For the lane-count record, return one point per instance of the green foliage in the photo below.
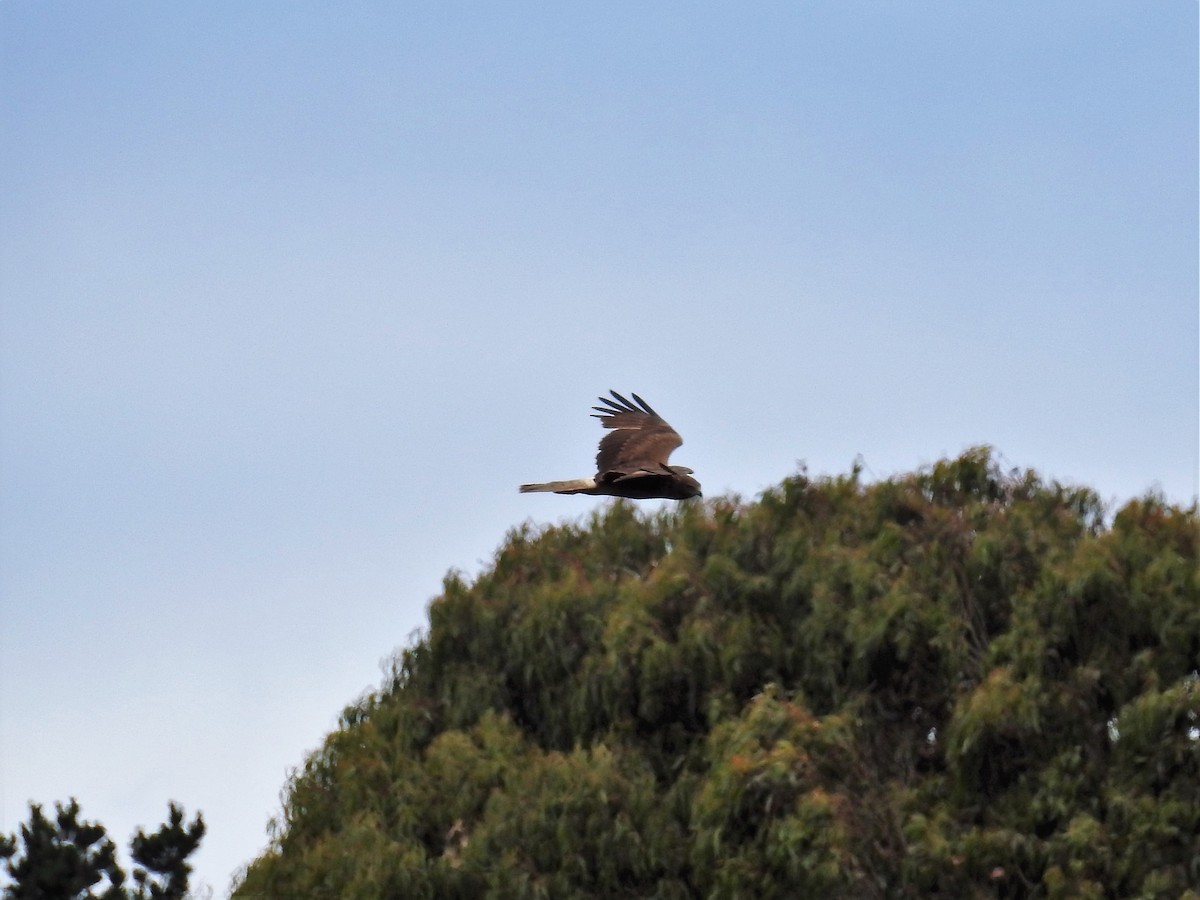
(959, 683)
(69, 859)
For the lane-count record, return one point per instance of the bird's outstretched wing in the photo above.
(640, 437)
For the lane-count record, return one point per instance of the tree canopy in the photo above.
(960, 682)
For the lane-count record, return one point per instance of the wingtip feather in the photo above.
(644, 405)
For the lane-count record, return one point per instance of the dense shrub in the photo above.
(959, 683)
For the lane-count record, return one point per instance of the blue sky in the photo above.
(295, 294)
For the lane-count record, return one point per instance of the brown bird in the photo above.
(632, 461)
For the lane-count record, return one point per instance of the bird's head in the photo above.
(687, 486)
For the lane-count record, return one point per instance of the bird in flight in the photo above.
(632, 461)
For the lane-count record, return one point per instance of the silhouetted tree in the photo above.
(69, 859)
(163, 856)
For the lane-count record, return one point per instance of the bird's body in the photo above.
(632, 461)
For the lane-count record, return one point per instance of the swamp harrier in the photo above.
(632, 461)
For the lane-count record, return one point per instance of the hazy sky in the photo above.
(294, 294)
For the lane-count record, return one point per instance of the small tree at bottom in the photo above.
(69, 859)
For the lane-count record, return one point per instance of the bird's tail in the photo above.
(575, 486)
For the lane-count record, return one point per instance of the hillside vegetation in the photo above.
(959, 683)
